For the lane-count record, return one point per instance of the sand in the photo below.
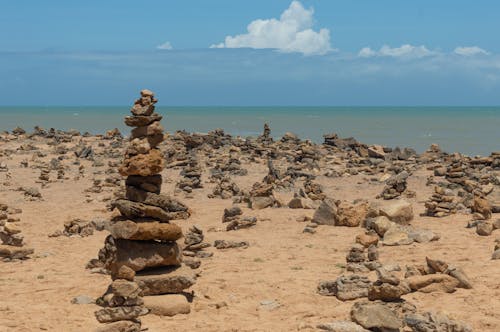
(270, 286)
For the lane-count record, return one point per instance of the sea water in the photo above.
(469, 130)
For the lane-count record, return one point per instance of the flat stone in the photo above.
(165, 280)
(139, 255)
(142, 120)
(15, 252)
(346, 287)
(162, 201)
(261, 202)
(109, 315)
(167, 305)
(147, 183)
(120, 326)
(82, 299)
(397, 236)
(341, 326)
(134, 210)
(145, 230)
(143, 164)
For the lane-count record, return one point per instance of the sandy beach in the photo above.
(270, 284)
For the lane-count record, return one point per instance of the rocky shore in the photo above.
(211, 232)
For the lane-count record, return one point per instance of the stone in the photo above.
(346, 287)
(124, 272)
(376, 317)
(135, 210)
(496, 254)
(143, 164)
(162, 201)
(482, 206)
(15, 252)
(423, 235)
(341, 326)
(372, 253)
(387, 292)
(356, 254)
(167, 305)
(261, 202)
(113, 314)
(429, 322)
(147, 183)
(433, 283)
(139, 255)
(396, 236)
(153, 129)
(125, 288)
(460, 275)
(142, 120)
(226, 244)
(379, 224)
(120, 326)
(367, 239)
(82, 299)
(351, 215)
(145, 230)
(400, 212)
(164, 280)
(325, 213)
(484, 228)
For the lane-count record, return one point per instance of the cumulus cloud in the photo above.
(407, 51)
(470, 51)
(292, 32)
(165, 46)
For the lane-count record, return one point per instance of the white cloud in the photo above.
(165, 46)
(470, 51)
(292, 32)
(407, 51)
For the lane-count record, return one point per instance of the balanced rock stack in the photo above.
(191, 175)
(141, 252)
(395, 186)
(441, 203)
(11, 240)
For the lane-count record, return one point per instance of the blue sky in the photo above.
(227, 52)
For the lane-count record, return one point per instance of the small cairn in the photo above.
(194, 245)
(441, 203)
(141, 253)
(266, 138)
(225, 188)
(191, 176)
(395, 186)
(12, 246)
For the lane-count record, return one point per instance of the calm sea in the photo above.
(470, 130)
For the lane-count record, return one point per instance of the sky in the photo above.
(260, 52)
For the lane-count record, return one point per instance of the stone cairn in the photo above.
(12, 241)
(395, 186)
(141, 253)
(191, 175)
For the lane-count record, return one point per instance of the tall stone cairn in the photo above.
(141, 253)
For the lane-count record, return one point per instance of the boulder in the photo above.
(351, 215)
(400, 212)
(167, 305)
(325, 213)
(376, 317)
(261, 202)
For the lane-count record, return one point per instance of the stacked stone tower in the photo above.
(141, 253)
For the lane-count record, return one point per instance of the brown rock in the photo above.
(367, 240)
(143, 164)
(482, 206)
(351, 215)
(145, 230)
(146, 183)
(120, 326)
(153, 129)
(15, 252)
(162, 201)
(124, 272)
(433, 283)
(167, 305)
(164, 280)
(141, 120)
(134, 210)
(113, 314)
(139, 255)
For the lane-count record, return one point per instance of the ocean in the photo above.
(469, 130)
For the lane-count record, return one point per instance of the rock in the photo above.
(482, 206)
(341, 326)
(351, 215)
(145, 230)
(142, 120)
(139, 255)
(367, 239)
(165, 202)
(460, 276)
(433, 283)
(125, 288)
(120, 326)
(379, 224)
(346, 287)
(400, 212)
(15, 252)
(223, 244)
(376, 317)
(387, 292)
(396, 236)
(82, 299)
(372, 253)
(153, 129)
(261, 202)
(356, 254)
(434, 322)
(134, 210)
(167, 305)
(484, 228)
(147, 183)
(325, 213)
(113, 314)
(423, 235)
(164, 280)
(143, 164)
(496, 254)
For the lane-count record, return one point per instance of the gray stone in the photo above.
(376, 317)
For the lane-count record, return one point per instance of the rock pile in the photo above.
(441, 203)
(12, 246)
(191, 176)
(141, 253)
(194, 245)
(395, 186)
